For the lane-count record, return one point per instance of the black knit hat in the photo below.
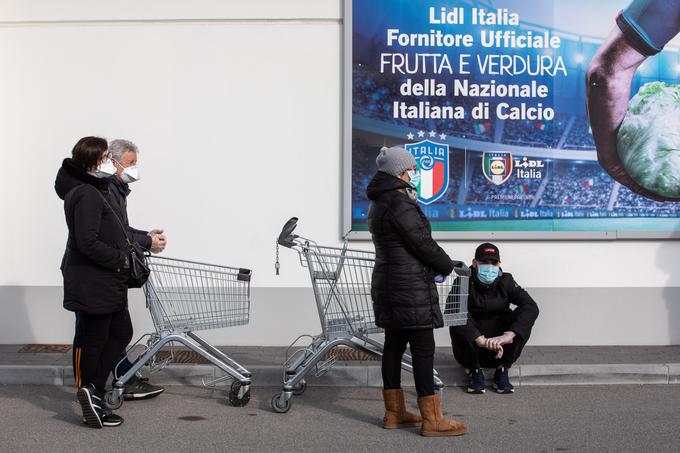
(487, 251)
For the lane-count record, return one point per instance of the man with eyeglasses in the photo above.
(123, 155)
(495, 334)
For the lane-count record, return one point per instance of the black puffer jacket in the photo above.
(407, 258)
(494, 301)
(95, 260)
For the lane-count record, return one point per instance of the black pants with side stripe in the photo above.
(97, 346)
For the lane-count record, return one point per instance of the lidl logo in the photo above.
(497, 166)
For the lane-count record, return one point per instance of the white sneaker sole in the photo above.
(475, 391)
(498, 390)
(106, 424)
(141, 396)
(112, 424)
(90, 415)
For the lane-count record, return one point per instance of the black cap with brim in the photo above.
(487, 252)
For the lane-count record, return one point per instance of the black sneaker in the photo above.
(107, 417)
(476, 383)
(110, 419)
(140, 389)
(86, 397)
(501, 381)
(95, 412)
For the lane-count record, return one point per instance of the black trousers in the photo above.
(471, 356)
(97, 346)
(421, 342)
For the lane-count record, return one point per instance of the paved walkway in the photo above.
(539, 365)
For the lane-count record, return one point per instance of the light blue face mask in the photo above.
(415, 178)
(488, 273)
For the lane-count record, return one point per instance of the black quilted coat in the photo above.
(407, 258)
(95, 260)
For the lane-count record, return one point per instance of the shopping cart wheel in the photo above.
(279, 404)
(234, 398)
(113, 400)
(300, 388)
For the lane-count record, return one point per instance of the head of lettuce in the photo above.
(648, 141)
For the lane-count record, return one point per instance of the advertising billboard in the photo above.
(514, 134)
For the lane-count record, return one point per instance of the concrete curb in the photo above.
(370, 375)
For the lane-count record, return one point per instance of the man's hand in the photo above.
(487, 343)
(495, 343)
(501, 340)
(158, 241)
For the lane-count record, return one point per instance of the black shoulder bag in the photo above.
(139, 269)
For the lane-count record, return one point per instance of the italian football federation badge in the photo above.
(497, 166)
(433, 161)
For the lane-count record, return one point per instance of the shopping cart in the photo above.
(184, 297)
(341, 281)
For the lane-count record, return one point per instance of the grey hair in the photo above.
(119, 147)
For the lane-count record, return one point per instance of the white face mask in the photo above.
(106, 169)
(130, 174)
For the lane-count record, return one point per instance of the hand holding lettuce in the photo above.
(637, 141)
(608, 85)
(648, 141)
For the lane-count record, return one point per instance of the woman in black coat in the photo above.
(405, 298)
(95, 269)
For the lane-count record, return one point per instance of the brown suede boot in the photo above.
(396, 415)
(434, 422)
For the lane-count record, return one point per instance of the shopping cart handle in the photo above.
(244, 275)
(460, 268)
(286, 237)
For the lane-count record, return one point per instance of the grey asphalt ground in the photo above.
(601, 418)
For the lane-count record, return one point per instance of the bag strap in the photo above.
(120, 223)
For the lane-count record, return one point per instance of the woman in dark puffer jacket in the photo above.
(96, 272)
(405, 298)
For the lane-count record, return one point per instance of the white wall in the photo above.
(236, 108)
(238, 125)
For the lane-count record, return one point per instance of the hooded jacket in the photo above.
(407, 258)
(94, 265)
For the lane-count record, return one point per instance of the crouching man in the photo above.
(495, 334)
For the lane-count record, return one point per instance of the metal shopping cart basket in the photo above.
(184, 297)
(341, 281)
